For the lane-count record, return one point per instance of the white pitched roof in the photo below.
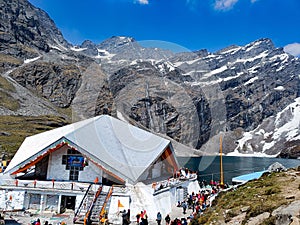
(121, 148)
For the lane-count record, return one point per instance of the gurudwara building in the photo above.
(95, 167)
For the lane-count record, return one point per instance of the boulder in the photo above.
(284, 214)
(276, 167)
(237, 219)
(258, 219)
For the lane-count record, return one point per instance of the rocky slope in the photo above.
(190, 97)
(263, 201)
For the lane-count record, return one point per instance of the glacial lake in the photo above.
(208, 167)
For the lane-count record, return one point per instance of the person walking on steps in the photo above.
(158, 218)
(167, 219)
(184, 206)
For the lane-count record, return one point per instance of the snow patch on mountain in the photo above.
(251, 81)
(286, 127)
(31, 60)
(77, 49)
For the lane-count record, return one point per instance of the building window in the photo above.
(74, 173)
(64, 159)
(74, 162)
(73, 152)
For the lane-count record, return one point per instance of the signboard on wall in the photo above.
(75, 161)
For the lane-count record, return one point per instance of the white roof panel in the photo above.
(125, 150)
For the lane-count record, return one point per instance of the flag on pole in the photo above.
(120, 205)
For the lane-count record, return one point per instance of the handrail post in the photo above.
(86, 220)
(79, 208)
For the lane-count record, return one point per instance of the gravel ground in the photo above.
(17, 218)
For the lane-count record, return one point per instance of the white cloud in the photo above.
(143, 2)
(293, 49)
(224, 5)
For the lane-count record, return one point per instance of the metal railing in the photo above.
(45, 184)
(106, 201)
(81, 203)
(87, 219)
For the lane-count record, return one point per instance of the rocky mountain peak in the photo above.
(174, 94)
(263, 43)
(88, 44)
(115, 43)
(23, 24)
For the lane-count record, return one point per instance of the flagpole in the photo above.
(221, 162)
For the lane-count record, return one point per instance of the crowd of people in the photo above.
(179, 176)
(142, 219)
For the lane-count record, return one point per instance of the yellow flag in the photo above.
(120, 205)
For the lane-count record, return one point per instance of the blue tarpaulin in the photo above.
(247, 177)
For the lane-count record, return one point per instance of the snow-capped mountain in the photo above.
(235, 90)
(276, 132)
(249, 93)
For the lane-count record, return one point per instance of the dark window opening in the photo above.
(74, 173)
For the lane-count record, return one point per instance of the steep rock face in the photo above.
(280, 132)
(252, 82)
(26, 30)
(191, 97)
(23, 23)
(160, 104)
(56, 82)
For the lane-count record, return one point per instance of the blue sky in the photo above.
(192, 24)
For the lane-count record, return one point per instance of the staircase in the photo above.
(84, 205)
(101, 205)
(93, 206)
(185, 193)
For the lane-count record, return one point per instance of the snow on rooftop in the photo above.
(101, 137)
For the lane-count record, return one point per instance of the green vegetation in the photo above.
(7, 101)
(8, 59)
(256, 197)
(4, 84)
(14, 129)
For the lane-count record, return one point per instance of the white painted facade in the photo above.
(143, 197)
(10, 200)
(58, 171)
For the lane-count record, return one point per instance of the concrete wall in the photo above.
(193, 186)
(90, 172)
(163, 202)
(78, 200)
(58, 172)
(10, 200)
(51, 203)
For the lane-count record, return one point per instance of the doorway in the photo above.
(68, 202)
